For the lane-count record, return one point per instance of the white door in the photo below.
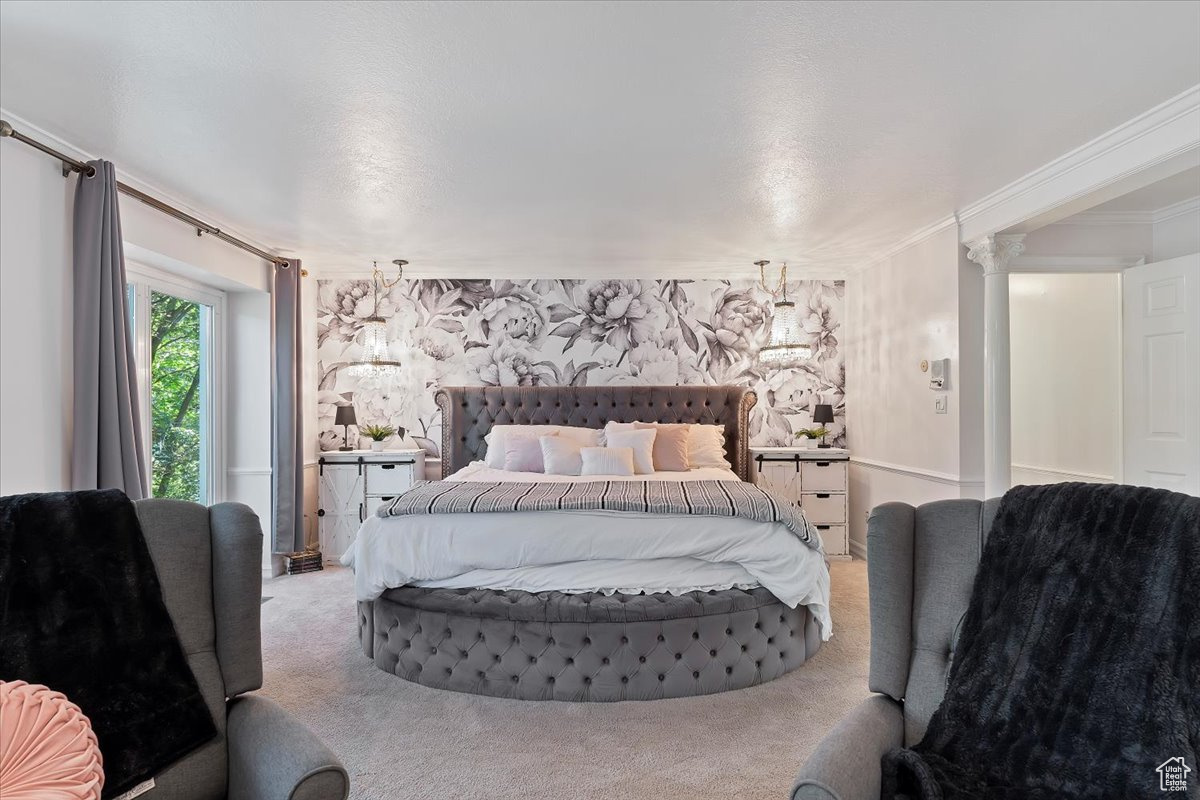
(1161, 310)
(342, 508)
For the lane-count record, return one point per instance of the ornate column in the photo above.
(994, 252)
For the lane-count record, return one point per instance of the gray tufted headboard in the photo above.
(469, 412)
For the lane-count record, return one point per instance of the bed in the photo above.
(580, 603)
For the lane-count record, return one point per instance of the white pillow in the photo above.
(607, 460)
(706, 447)
(494, 455)
(524, 453)
(642, 444)
(615, 427)
(561, 455)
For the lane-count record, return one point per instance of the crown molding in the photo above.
(577, 270)
(1188, 206)
(58, 143)
(1167, 131)
(913, 239)
(1103, 219)
(1071, 264)
(1106, 218)
(1174, 122)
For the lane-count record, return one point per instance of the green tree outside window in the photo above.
(175, 385)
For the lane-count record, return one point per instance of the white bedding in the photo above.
(601, 551)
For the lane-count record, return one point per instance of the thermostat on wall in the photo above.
(939, 373)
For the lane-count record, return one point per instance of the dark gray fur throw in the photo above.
(1077, 670)
(82, 611)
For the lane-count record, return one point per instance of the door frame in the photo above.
(146, 279)
(1092, 265)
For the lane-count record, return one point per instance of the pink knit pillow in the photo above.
(670, 445)
(47, 748)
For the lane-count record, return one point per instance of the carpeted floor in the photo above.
(401, 741)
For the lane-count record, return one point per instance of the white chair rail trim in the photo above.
(1065, 475)
(916, 472)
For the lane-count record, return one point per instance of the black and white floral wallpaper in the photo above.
(576, 332)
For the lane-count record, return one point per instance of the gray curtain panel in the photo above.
(287, 429)
(107, 434)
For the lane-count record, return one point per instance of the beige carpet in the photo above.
(401, 741)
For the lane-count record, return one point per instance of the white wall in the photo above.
(1065, 340)
(1177, 236)
(35, 313)
(899, 312)
(248, 408)
(35, 323)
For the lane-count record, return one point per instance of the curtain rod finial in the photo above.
(6, 129)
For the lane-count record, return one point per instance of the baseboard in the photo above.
(858, 551)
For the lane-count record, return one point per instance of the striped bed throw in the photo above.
(705, 498)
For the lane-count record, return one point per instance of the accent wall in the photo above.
(575, 332)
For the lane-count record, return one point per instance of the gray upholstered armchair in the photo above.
(209, 565)
(921, 565)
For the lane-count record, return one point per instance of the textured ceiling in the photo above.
(571, 139)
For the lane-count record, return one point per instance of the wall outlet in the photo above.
(939, 404)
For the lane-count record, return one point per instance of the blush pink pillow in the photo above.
(48, 750)
(670, 445)
(524, 453)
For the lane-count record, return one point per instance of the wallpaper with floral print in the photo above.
(575, 332)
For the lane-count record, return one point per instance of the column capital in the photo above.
(994, 251)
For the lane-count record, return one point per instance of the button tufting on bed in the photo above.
(469, 412)
(591, 647)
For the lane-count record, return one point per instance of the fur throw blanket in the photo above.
(1077, 672)
(81, 612)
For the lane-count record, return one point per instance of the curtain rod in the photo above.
(72, 165)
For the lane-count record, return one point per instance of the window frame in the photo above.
(141, 280)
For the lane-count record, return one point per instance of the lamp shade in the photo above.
(345, 416)
(822, 413)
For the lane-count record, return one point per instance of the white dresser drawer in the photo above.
(823, 476)
(833, 539)
(388, 479)
(375, 501)
(824, 508)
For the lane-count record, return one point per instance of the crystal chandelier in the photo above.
(785, 346)
(377, 361)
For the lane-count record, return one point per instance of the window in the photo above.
(177, 330)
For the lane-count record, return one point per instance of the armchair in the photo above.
(921, 567)
(209, 566)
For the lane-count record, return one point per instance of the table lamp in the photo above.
(822, 414)
(345, 417)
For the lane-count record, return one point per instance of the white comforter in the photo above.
(593, 551)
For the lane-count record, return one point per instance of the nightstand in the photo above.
(353, 485)
(817, 481)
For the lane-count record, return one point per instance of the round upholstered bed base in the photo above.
(586, 647)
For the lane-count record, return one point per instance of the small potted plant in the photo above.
(808, 436)
(377, 434)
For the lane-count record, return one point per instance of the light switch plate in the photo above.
(939, 404)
